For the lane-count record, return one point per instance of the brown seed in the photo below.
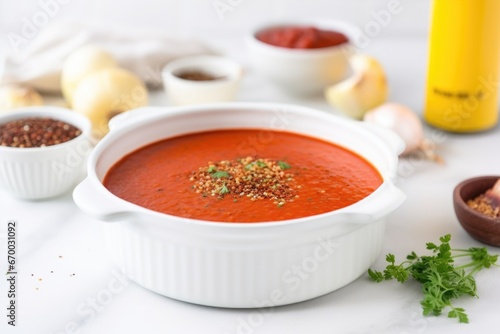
(36, 132)
(254, 178)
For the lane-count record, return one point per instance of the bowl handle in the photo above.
(92, 202)
(373, 208)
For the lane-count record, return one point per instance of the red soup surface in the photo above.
(296, 37)
(242, 176)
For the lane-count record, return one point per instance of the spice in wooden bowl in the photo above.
(488, 203)
(471, 201)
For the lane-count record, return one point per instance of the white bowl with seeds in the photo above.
(42, 151)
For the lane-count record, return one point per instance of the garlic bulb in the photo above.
(364, 90)
(106, 93)
(80, 63)
(406, 124)
(17, 96)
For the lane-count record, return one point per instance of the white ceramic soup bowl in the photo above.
(241, 265)
(44, 172)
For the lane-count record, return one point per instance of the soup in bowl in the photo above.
(232, 176)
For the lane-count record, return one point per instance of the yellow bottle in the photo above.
(464, 65)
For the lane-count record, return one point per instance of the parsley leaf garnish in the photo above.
(441, 280)
(283, 165)
(258, 163)
(261, 164)
(220, 174)
(217, 174)
(250, 165)
(224, 190)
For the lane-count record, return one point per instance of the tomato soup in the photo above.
(296, 37)
(242, 175)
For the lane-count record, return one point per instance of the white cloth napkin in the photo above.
(144, 53)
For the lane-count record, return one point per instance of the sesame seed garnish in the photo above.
(255, 178)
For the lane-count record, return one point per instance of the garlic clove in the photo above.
(400, 119)
(403, 121)
(364, 90)
(80, 63)
(493, 195)
(16, 96)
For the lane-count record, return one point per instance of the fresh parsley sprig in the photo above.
(441, 280)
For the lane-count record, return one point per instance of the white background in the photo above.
(192, 17)
(49, 229)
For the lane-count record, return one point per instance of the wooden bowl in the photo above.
(478, 225)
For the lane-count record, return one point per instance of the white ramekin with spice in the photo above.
(42, 151)
(201, 79)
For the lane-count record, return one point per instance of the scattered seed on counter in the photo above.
(36, 132)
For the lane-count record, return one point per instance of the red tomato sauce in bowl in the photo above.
(242, 175)
(297, 37)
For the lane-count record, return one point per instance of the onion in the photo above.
(406, 124)
(105, 93)
(81, 62)
(16, 96)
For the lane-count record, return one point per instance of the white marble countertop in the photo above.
(67, 284)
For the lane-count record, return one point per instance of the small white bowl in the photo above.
(187, 92)
(302, 71)
(44, 172)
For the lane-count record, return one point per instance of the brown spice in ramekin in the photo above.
(36, 132)
(195, 75)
